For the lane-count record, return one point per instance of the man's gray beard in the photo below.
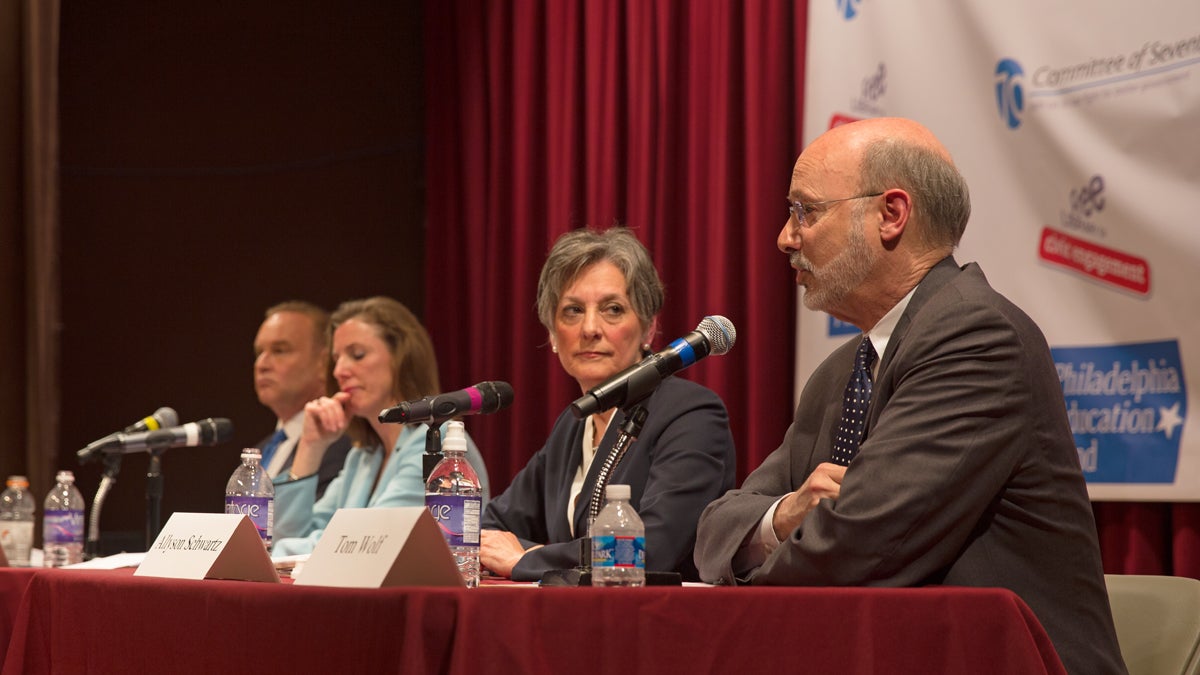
(837, 278)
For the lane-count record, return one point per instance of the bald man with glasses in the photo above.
(934, 448)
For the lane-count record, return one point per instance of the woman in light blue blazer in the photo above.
(381, 356)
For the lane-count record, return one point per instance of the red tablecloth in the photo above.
(13, 583)
(83, 621)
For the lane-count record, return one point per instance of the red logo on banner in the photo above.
(839, 119)
(1111, 267)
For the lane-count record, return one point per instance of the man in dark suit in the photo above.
(959, 468)
(291, 368)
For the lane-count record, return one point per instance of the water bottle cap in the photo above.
(18, 481)
(251, 453)
(616, 492)
(65, 477)
(456, 437)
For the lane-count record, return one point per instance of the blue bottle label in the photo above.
(63, 527)
(260, 509)
(611, 551)
(457, 516)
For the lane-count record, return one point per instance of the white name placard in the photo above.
(208, 546)
(373, 548)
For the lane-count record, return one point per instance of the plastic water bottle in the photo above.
(16, 521)
(251, 492)
(453, 497)
(618, 542)
(62, 523)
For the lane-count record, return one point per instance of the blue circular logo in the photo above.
(848, 8)
(1010, 92)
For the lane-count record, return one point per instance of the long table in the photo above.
(75, 621)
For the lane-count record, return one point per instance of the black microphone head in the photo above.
(497, 395)
(719, 332)
(222, 429)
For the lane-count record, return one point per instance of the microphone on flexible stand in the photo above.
(205, 432)
(714, 335)
(161, 419)
(483, 398)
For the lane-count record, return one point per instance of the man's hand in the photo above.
(825, 482)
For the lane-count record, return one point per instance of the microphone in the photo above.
(205, 432)
(483, 398)
(162, 418)
(714, 335)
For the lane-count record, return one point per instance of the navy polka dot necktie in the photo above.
(854, 405)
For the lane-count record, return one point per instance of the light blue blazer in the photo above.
(300, 518)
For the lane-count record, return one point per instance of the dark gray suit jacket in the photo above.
(682, 460)
(968, 474)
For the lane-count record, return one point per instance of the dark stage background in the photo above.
(217, 159)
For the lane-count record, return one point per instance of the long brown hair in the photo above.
(414, 365)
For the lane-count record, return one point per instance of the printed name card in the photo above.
(209, 546)
(375, 548)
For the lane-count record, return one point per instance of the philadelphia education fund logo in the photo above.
(1127, 405)
(1010, 92)
(848, 9)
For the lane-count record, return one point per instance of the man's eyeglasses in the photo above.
(800, 210)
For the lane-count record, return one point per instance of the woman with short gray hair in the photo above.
(599, 296)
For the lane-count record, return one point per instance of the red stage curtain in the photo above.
(677, 118)
(1150, 538)
(681, 119)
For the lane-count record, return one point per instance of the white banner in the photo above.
(1077, 126)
